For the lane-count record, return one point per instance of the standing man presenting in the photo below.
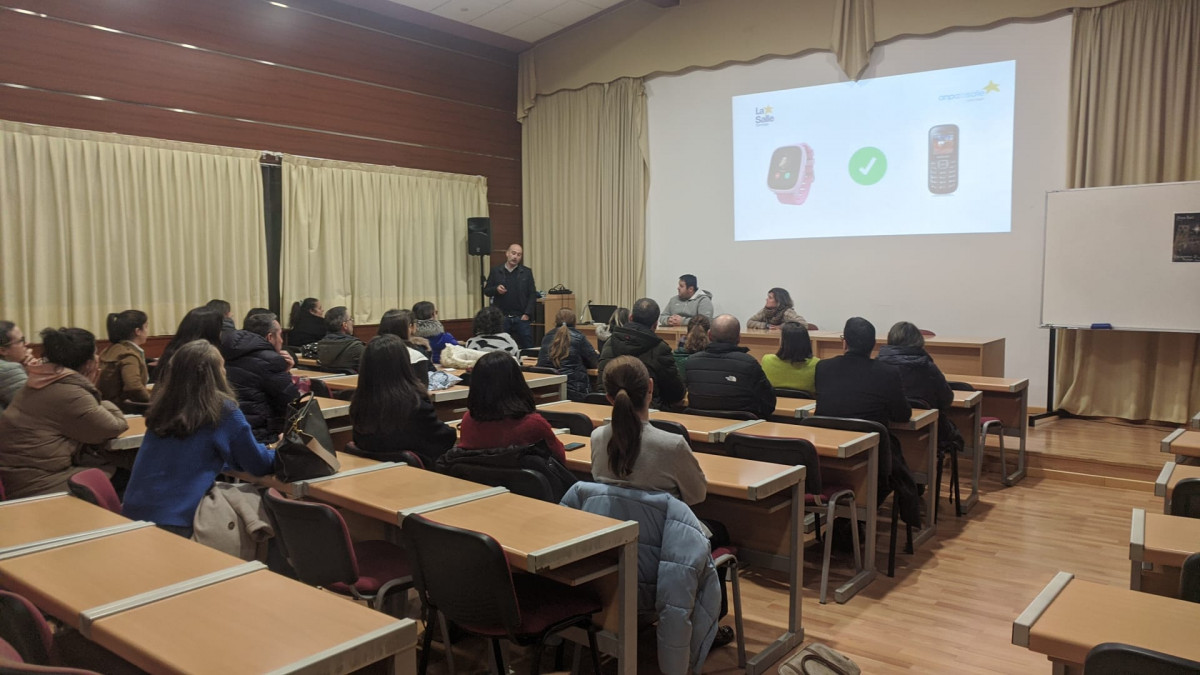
(511, 288)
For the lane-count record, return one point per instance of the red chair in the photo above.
(92, 485)
(314, 539)
(464, 576)
(27, 644)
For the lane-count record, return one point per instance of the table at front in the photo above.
(1007, 399)
(28, 521)
(1169, 477)
(1158, 546)
(753, 497)
(918, 442)
(852, 456)
(1182, 443)
(1070, 616)
(135, 590)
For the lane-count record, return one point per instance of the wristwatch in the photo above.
(791, 173)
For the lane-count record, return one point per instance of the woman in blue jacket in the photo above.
(194, 431)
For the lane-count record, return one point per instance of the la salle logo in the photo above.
(764, 116)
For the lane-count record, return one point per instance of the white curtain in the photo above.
(375, 238)
(92, 223)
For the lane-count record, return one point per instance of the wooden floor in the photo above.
(951, 605)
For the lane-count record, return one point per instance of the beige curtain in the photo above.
(1135, 105)
(375, 238)
(854, 35)
(584, 162)
(92, 223)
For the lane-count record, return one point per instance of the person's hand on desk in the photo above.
(501, 289)
(675, 320)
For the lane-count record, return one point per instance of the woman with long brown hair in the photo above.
(569, 352)
(777, 311)
(194, 430)
(695, 340)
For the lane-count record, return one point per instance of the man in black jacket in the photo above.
(638, 339)
(511, 288)
(725, 377)
(339, 348)
(257, 369)
(854, 385)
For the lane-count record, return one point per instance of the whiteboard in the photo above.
(1108, 259)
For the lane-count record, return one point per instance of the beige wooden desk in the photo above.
(350, 465)
(1182, 443)
(301, 361)
(971, 356)
(852, 459)
(918, 442)
(258, 623)
(1005, 398)
(389, 494)
(28, 521)
(701, 429)
(570, 546)
(766, 502)
(1158, 545)
(451, 404)
(595, 412)
(341, 382)
(313, 374)
(793, 408)
(1170, 475)
(967, 414)
(1070, 616)
(131, 438)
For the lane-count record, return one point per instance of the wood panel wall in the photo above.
(314, 78)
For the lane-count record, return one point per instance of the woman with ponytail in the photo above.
(123, 372)
(306, 323)
(569, 352)
(630, 452)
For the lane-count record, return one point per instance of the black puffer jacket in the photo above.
(261, 379)
(919, 375)
(497, 466)
(725, 377)
(309, 328)
(636, 340)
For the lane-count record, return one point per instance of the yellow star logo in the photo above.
(991, 86)
(767, 110)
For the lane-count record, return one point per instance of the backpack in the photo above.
(819, 659)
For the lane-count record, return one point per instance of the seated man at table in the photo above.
(689, 302)
(257, 368)
(725, 377)
(638, 339)
(339, 348)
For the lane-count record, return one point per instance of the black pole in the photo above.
(1051, 411)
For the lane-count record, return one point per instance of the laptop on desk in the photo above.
(601, 313)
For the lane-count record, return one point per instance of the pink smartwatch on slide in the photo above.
(791, 173)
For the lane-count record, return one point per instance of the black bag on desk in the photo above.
(306, 450)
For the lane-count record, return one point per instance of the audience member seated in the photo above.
(15, 357)
(857, 386)
(306, 323)
(201, 323)
(226, 311)
(569, 352)
(696, 340)
(428, 327)
(123, 371)
(922, 379)
(501, 411)
(778, 311)
(194, 430)
(489, 334)
(619, 318)
(793, 366)
(391, 411)
(339, 348)
(398, 322)
(638, 339)
(257, 368)
(725, 377)
(46, 431)
(688, 303)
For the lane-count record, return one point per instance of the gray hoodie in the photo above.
(699, 303)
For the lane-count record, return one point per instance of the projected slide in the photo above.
(923, 153)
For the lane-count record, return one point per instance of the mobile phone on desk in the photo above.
(573, 446)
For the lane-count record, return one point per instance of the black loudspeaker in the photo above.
(479, 236)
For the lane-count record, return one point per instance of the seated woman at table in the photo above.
(391, 411)
(201, 323)
(489, 335)
(15, 357)
(398, 322)
(123, 372)
(619, 318)
(48, 432)
(501, 410)
(778, 311)
(793, 366)
(306, 323)
(569, 352)
(194, 431)
(695, 340)
(922, 379)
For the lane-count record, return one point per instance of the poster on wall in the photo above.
(1187, 238)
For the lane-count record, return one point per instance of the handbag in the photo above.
(819, 659)
(306, 449)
